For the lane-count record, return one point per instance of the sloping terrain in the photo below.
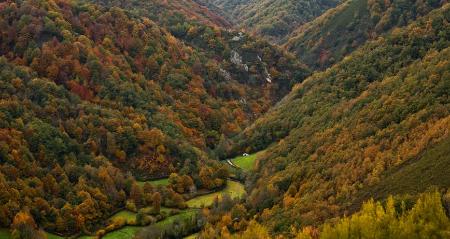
(161, 10)
(431, 169)
(272, 19)
(92, 96)
(338, 132)
(102, 100)
(329, 38)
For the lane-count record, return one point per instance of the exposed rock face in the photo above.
(237, 60)
(238, 37)
(225, 74)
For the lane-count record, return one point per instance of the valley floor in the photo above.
(234, 189)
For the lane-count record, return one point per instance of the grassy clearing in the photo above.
(53, 236)
(183, 215)
(159, 182)
(86, 237)
(125, 232)
(130, 231)
(246, 163)
(233, 189)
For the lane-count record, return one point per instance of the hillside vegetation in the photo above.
(93, 95)
(335, 134)
(329, 38)
(124, 119)
(162, 10)
(394, 219)
(432, 166)
(426, 219)
(274, 20)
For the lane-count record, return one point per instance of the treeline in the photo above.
(428, 218)
(425, 217)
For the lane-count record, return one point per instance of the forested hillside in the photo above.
(162, 119)
(92, 97)
(337, 133)
(424, 217)
(329, 38)
(274, 20)
(161, 11)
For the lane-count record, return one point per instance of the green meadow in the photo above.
(233, 189)
(246, 163)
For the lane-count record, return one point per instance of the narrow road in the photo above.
(232, 164)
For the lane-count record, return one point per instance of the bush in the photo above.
(131, 206)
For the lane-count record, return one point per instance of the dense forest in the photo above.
(274, 20)
(128, 116)
(95, 97)
(168, 12)
(421, 217)
(337, 133)
(339, 31)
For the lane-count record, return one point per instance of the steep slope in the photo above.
(433, 166)
(339, 31)
(161, 10)
(335, 134)
(272, 19)
(92, 95)
(244, 58)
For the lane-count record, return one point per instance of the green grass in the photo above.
(53, 236)
(159, 182)
(125, 215)
(86, 237)
(123, 233)
(130, 231)
(5, 233)
(234, 189)
(246, 163)
(183, 215)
